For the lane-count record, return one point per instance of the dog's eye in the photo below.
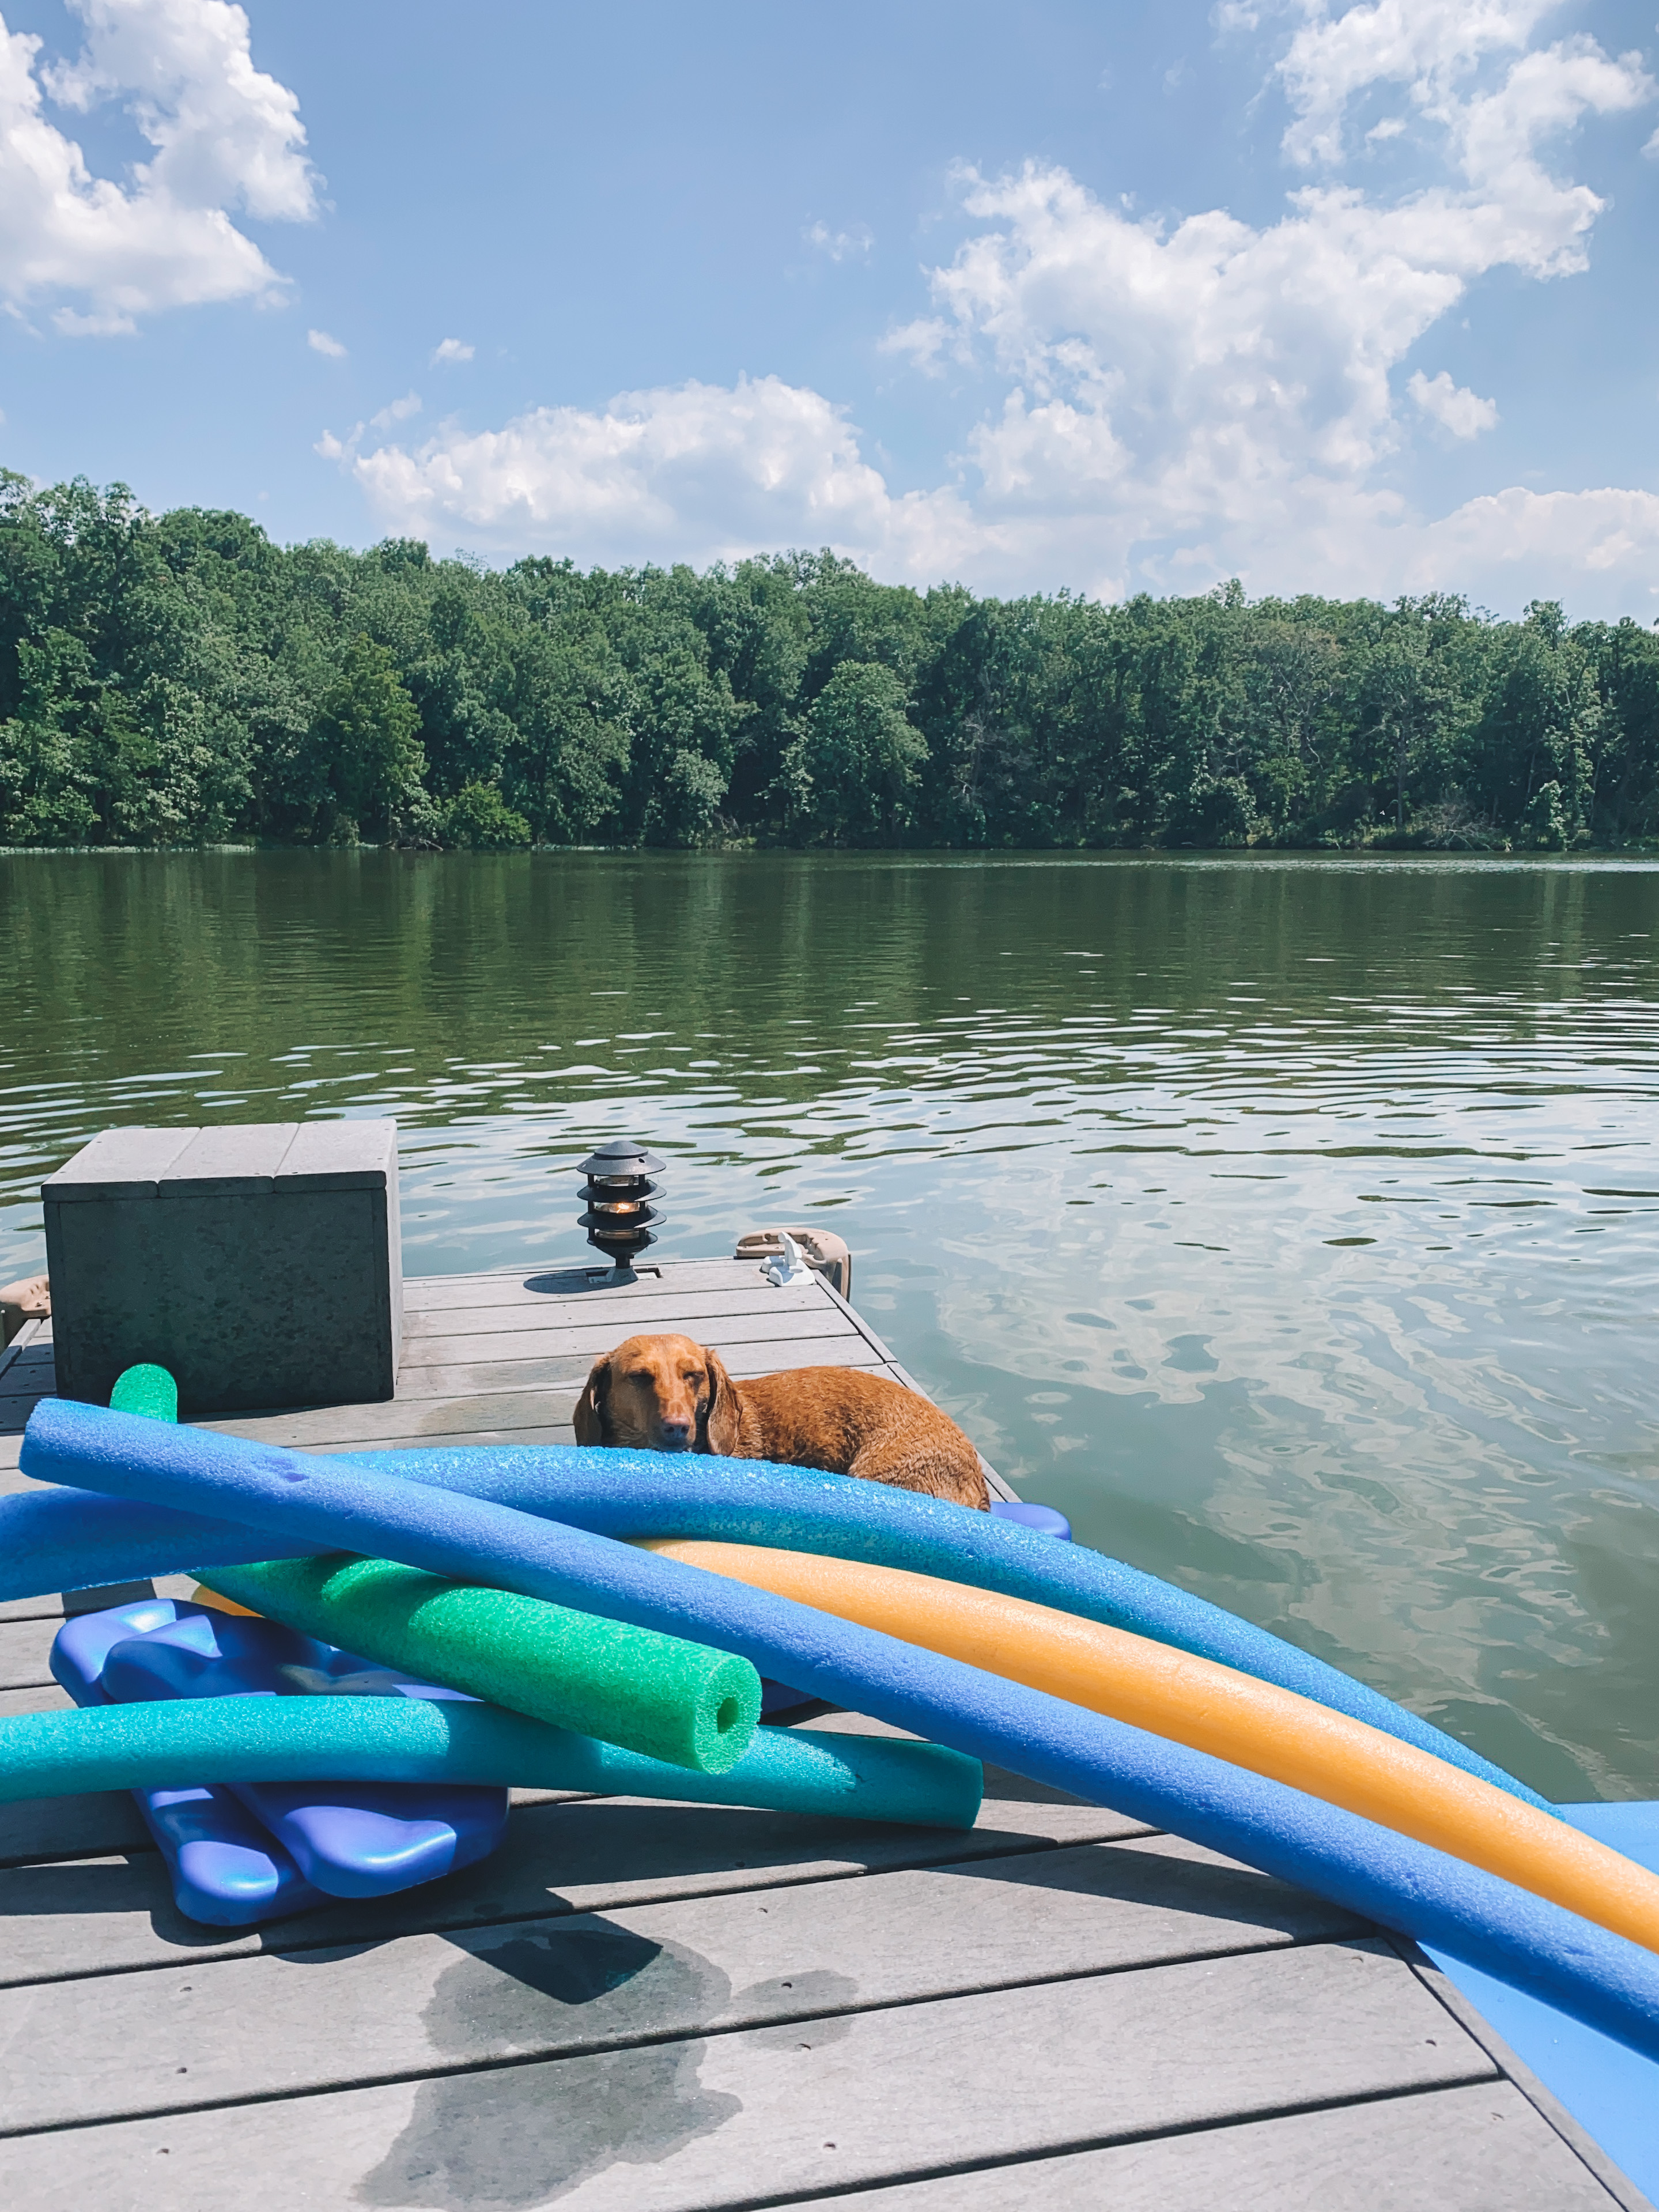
(693, 1375)
(641, 1375)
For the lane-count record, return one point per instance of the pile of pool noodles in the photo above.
(482, 1618)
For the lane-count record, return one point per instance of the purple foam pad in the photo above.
(1043, 1518)
(378, 1842)
(226, 1870)
(349, 1840)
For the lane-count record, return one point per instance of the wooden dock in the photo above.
(635, 2007)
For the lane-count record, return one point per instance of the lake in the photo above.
(1293, 1224)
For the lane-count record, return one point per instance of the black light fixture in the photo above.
(620, 1219)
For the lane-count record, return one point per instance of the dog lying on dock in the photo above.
(668, 1394)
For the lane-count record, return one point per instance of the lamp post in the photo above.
(619, 1218)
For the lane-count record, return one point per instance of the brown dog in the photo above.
(667, 1393)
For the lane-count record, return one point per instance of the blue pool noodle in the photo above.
(1596, 1977)
(53, 1541)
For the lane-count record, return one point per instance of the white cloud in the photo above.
(225, 135)
(1175, 402)
(453, 350)
(1464, 413)
(698, 472)
(395, 410)
(1556, 544)
(1429, 45)
(839, 244)
(320, 342)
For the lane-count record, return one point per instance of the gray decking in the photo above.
(655, 2009)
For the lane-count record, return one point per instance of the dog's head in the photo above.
(657, 1394)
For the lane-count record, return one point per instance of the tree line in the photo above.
(179, 679)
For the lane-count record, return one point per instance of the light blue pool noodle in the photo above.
(262, 1738)
(53, 1543)
(1601, 1978)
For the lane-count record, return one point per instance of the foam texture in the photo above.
(245, 1739)
(657, 1694)
(1598, 1978)
(637, 1493)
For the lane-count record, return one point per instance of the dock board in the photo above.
(691, 2009)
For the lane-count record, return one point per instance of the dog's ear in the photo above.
(719, 1423)
(592, 1412)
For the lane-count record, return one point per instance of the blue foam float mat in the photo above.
(1610, 2090)
(226, 1870)
(347, 1839)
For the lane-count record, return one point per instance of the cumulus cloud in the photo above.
(452, 349)
(226, 137)
(1431, 48)
(1175, 401)
(320, 342)
(1464, 413)
(696, 472)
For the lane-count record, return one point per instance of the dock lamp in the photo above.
(620, 1219)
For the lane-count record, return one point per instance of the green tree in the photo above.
(479, 820)
(368, 734)
(851, 775)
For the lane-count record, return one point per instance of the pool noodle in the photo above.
(1597, 1978)
(49, 1540)
(257, 1738)
(146, 1389)
(659, 1695)
(1272, 1732)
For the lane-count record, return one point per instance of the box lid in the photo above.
(229, 1163)
(250, 1160)
(118, 1164)
(340, 1155)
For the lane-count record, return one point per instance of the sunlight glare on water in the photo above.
(1289, 1224)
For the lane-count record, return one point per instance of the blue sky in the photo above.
(1033, 297)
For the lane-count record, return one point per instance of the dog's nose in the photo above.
(676, 1432)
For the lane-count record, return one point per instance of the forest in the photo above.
(179, 679)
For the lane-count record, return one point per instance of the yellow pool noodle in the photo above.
(1271, 1732)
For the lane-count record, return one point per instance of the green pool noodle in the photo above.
(181, 1742)
(148, 1390)
(673, 1700)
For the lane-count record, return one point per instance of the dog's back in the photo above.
(850, 1423)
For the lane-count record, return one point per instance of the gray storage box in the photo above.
(262, 1266)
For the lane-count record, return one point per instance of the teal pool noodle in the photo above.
(683, 1703)
(145, 1389)
(263, 1739)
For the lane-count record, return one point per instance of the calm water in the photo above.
(1293, 1227)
